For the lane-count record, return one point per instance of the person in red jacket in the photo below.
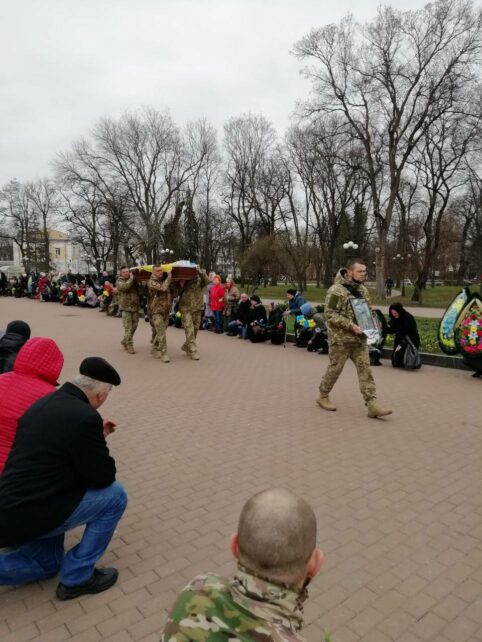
(43, 286)
(35, 373)
(216, 295)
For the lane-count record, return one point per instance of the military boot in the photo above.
(164, 358)
(130, 349)
(375, 410)
(155, 353)
(324, 402)
(123, 343)
(194, 356)
(185, 349)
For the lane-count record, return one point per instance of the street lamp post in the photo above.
(167, 253)
(349, 245)
(402, 262)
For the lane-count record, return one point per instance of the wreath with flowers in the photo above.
(468, 333)
(446, 329)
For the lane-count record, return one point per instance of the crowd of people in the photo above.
(84, 290)
(218, 306)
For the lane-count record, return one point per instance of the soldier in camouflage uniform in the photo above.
(191, 303)
(159, 306)
(347, 340)
(128, 296)
(276, 549)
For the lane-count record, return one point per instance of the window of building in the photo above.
(57, 251)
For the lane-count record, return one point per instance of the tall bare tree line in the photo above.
(386, 152)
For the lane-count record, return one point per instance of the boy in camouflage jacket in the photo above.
(276, 549)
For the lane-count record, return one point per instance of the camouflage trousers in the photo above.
(130, 321)
(191, 322)
(338, 355)
(159, 323)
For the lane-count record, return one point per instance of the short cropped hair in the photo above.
(277, 535)
(123, 267)
(352, 262)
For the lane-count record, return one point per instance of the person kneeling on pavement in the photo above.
(58, 476)
(257, 320)
(239, 325)
(277, 557)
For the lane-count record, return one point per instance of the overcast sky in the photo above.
(67, 63)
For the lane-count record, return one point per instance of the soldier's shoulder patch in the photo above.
(333, 301)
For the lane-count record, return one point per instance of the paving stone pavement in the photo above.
(398, 501)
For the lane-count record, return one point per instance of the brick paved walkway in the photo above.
(398, 500)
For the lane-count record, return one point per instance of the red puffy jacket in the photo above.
(216, 295)
(35, 373)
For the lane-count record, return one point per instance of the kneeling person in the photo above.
(277, 556)
(59, 475)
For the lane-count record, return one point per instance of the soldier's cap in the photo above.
(100, 370)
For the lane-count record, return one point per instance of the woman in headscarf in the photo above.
(16, 334)
(402, 324)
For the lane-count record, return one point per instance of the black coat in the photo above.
(58, 454)
(258, 313)
(10, 344)
(242, 312)
(404, 326)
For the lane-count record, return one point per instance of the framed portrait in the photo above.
(364, 318)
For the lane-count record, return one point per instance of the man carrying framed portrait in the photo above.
(350, 322)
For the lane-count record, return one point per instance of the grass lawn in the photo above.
(427, 329)
(437, 297)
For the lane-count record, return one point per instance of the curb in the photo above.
(428, 359)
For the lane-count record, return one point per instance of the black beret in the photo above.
(100, 370)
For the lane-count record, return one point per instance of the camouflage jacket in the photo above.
(245, 609)
(192, 294)
(128, 294)
(159, 295)
(339, 312)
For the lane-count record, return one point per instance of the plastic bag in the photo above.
(411, 358)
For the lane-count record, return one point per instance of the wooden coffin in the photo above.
(183, 273)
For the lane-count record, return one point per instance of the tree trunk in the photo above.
(380, 263)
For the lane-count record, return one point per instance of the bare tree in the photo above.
(326, 161)
(391, 80)
(250, 195)
(44, 198)
(19, 222)
(440, 165)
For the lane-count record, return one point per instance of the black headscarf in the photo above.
(19, 327)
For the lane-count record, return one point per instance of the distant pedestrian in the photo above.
(388, 286)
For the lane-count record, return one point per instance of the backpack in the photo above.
(411, 358)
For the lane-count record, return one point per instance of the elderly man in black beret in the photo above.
(59, 475)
